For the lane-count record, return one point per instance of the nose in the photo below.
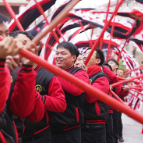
(84, 58)
(58, 56)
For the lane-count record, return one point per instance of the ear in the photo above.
(117, 67)
(74, 58)
(98, 61)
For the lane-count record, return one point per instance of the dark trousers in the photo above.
(109, 129)
(120, 125)
(69, 136)
(93, 134)
(42, 137)
(115, 125)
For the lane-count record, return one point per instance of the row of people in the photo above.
(47, 108)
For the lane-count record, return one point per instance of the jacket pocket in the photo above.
(77, 114)
(97, 108)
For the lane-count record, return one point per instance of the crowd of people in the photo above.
(38, 106)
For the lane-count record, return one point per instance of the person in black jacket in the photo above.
(120, 73)
(8, 132)
(95, 112)
(66, 126)
(120, 92)
(49, 93)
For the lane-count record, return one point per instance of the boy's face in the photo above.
(93, 60)
(4, 31)
(113, 65)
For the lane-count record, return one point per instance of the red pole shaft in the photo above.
(121, 78)
(60, 33)
(137, 91)
(104, 29)
(55, 21)
(131, 87)
(138, 82)
(90, 41)
(126, 80)
(101, 42)
(13, 15)
(92, 33)
(121, 51)
(136, 96)
(112, 30)
(125, 42)
(116, 96)
(86, 87)
(141, 67)
(42, 12)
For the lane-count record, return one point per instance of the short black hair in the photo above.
(69, 46)
(107, 65)
(113, 61)
(100, 55)
(15, 33)
(121, 70)
(3, 18)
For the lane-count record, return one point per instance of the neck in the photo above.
(115, 72)
(69, 68)
(34, 66)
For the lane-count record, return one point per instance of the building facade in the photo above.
(15, 4)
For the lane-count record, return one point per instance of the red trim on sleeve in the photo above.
(16, 134)
(97, 108)
(2, 64)
(2, 139)
(77, 114)
(27, 68)
(41, 130)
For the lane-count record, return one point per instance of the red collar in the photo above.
(68, 70)
(93, 70)
(37, 68)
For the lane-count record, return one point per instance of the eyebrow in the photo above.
(5, 31)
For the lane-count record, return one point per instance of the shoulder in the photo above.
(45, 72)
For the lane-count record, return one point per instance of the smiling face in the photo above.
(4, 32)
(64, 59)
(93, 60)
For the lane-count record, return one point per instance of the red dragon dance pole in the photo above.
(42, 13)
(13, 15)
(104, 29)
(116, 96)
(126, 80)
